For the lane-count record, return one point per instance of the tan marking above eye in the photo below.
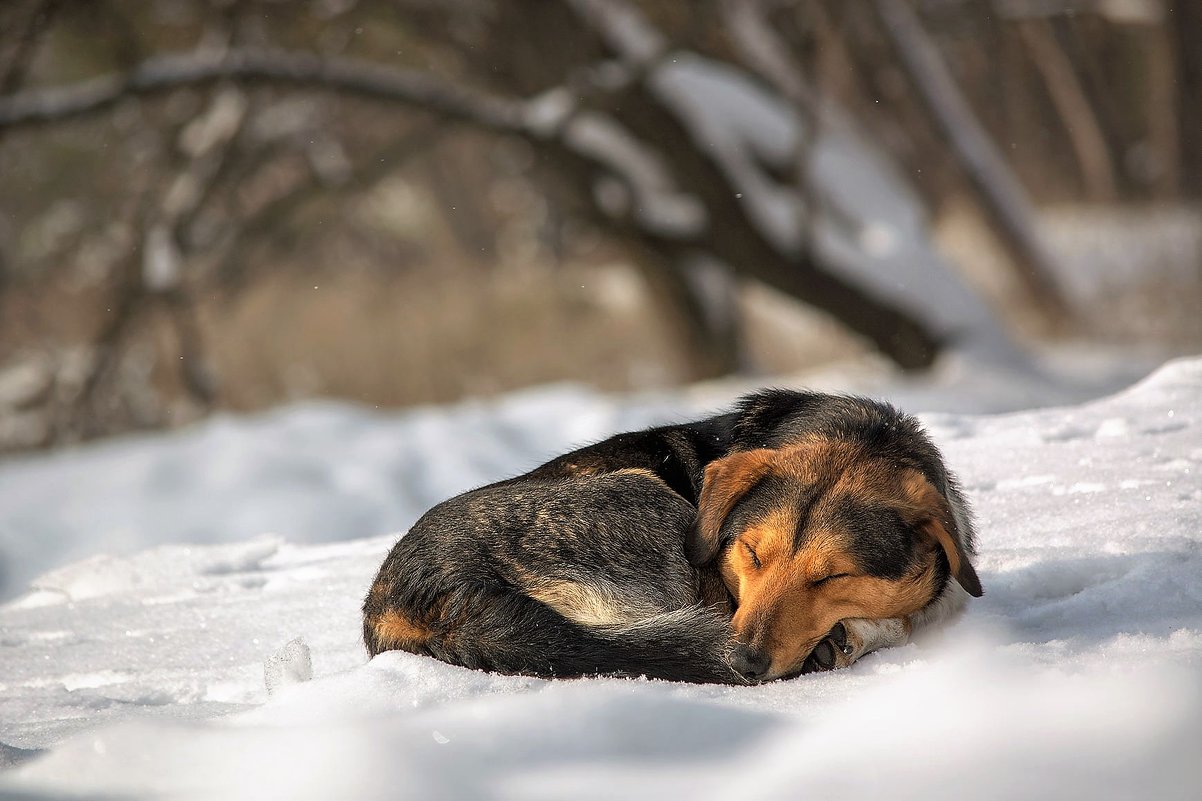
(771, 536)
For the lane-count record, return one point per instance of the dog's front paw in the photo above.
(837, 650)
(853, 638)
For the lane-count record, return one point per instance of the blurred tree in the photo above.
(713, 143)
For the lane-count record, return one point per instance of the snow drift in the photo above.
(1076, 676)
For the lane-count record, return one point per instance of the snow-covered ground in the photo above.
(326, 471)
(140, 673)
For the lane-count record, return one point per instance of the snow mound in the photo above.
(292, 664)
(1076, 676)
(314, 472)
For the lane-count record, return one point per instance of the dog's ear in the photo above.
(726, 481)
(933, 517)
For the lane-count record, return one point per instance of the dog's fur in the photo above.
(826, 525)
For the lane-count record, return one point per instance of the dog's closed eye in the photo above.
(825, 579)
(754, 558)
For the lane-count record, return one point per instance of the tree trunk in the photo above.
(1001, 195)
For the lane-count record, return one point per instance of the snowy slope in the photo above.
(315, 472)
(324, 472)
(1078, 675)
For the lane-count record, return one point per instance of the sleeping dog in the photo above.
(796, 533)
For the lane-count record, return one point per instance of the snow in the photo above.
(140, 672)
(320, 472)
(292, 664)
(313, 472)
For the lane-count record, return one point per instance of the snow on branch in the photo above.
(624, 30)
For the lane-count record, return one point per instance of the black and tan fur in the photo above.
(575, 568)
(794, 534)
(835, 527)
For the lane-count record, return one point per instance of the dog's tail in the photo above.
(690, 644)
(509, 632)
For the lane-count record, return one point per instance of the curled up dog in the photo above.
(796, 533)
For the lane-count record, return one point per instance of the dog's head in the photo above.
(819, 531)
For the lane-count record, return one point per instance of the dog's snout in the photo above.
(749, 663)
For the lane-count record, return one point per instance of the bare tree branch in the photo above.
(207, 157)
(267, 220)
(165, 73)
(735, 239)
(1161, 61)
(1076, 113)
(553, 118)
(1185, 22)
(623, 29)
(1003, 196)
(13, 74)
(760, 47)
(106, 345)
(13, 71)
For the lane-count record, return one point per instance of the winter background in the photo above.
(274, 280)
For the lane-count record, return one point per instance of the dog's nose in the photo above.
(750, 664)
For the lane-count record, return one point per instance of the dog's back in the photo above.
(563, 572)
